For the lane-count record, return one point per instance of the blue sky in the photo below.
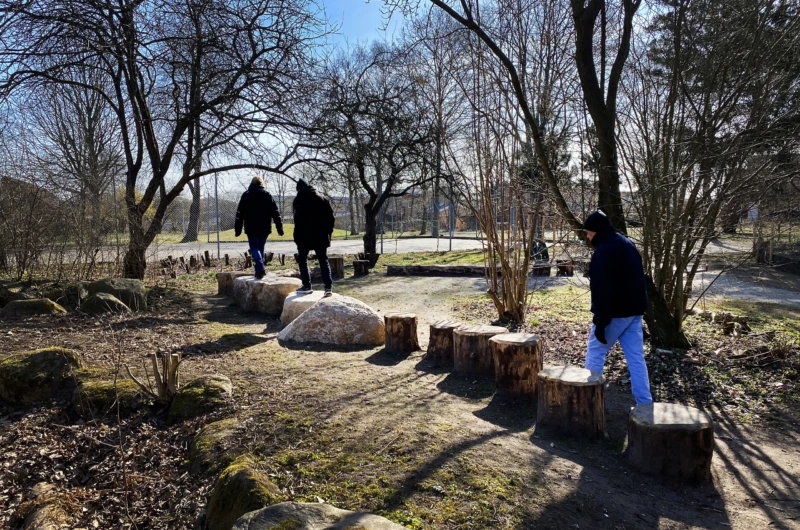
(359, 20)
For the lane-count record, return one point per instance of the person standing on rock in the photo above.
(256, 212)
(619, 299)
(313, 227)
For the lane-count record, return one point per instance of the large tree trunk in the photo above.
(193, 228)
(665, 332)
(609, 197)
(435, 209)
(353, 231)
(370, 230)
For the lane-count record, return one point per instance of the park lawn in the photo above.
(229, 236)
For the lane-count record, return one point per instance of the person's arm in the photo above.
(602, 287)
(237, 227)
(276, 216)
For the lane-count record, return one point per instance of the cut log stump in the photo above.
(360, 267)
(517, 363)
(672, 440)
(401, 332)
(440, 345)
(472, 353)
(337, 267)
(571, 400)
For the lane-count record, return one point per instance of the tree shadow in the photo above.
(227, 343)
(384, 357)
(467, 386)
(319, 347)
(510, 414)
(431, 367)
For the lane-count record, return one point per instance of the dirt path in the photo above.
(443, 449)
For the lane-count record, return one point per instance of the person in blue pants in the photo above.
(619, 300)
(255, 213)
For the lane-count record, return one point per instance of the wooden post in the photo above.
(360, 267)
(565, 268)
(207, 259)
(471, 351)
(282, 258)
(337, 267)
(401, 332)
(182, 260)
(227, 260)
(517, 363)
(572, 401)
(193, 261)
(248, 260)
(672, 440)
(440, 345)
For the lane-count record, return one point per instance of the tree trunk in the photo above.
(370, 230)
(193, 228)
(353, 231)
(435, 209)
(571, 400)
(665, 332)
(609, 198)
(672, 440)
(425, 209)
(401, 332)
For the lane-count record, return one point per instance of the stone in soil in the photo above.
(132, 292)
(36, 375)
(200, 396)
(265, 295)
(27, 308)
(312, 516)
(338, 320)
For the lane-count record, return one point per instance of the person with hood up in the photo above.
(313, 228)
(619, 299)
(256, 211)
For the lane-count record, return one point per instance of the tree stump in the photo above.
(471, 351)
(517, 363)
(337, 267)
(571, 400)
(207, 259)
(672, 440)
(227, 260)
(360, 267)
(193, 261)
(248, 260)
(440, 345)
(268, 257)
(565, 268)
(541, 269)
(401, 332)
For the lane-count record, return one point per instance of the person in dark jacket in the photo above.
(313, 227)
(256, 211)
(619, 299)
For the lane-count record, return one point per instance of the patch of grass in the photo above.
(229, 236)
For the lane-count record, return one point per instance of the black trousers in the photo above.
(324, 266)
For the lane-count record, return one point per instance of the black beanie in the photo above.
(301, 184)
(597, 222)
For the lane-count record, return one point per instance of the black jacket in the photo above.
(616, 278)
(256, 211)
(313, 219)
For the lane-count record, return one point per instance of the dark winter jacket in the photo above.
(256, 211)
(616, 278)
(313, 219)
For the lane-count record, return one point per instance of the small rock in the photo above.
(37, 375)
(131, 292)
(240, 488)
(36, 306)
(104, 303)
(312, 516)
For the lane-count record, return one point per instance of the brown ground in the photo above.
(367, 430)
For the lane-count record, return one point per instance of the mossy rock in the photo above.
(104, 303)
(27, 308)
(36, 375)
(209, 449)
(200, 396)
(98, 398)
(240, 488)
(132, 292)
(312, 516)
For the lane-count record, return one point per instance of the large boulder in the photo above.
(265, 295)
(312, 516)
(36, 375)
(104, 303)
(200, 396)
(27, 308)
(225, 281)
(97, 398)
(338, 320)
(297, 303)
(131, 292)
(240, 489)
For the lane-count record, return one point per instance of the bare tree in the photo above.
(240, 72)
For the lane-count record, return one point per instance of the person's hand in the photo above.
(600, 333)
(280, 231)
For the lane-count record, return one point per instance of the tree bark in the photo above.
(665, 332)
(360, 267)
(571, 400)
(370, 230)
(337, 267)
(193, 228)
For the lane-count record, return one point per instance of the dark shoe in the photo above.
(304, 289)
(260, 275)
(328, 292)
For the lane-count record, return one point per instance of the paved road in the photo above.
(351, 246)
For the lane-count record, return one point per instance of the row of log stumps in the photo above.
(401, 332)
